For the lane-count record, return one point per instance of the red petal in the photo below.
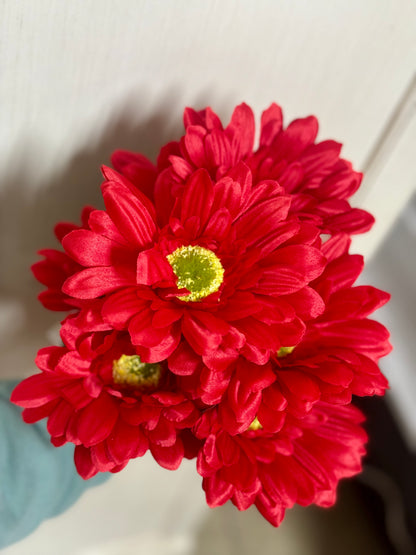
(300, 385)
(356, 302)
(271, 124)
(203, 331)
(272, 513)
(97, 420)
(59, 418)
(217, 148)
(271, 420)
(183, 361)
(95, 282)
(83, 462)
(121, 306)
(62, 228)
(166, 316)
(340, 273)
(163, 434)
(129, 214)
(35, 414)
(100, 222)
(240, 132)
(318, 161)
(217, 491)
(205, 118)
(54, 300)
(163, 349)
(354, 221)
(227, 194)
(340, 185)
(368, 337)
(195, 145)
(197, 197)
(126, 442)
(153, 267)
(48, 357)
(34, 391)
(219, 224)
(259, 221)
(143, 333)
(336, 246)
(299, 134)
(240, 305)
(55, 269)
(305, 260)
(89, 248)
(168, 457)
(137, 168)
(307, 303)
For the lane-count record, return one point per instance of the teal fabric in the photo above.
(37, 480)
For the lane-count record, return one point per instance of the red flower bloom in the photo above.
(337, 357)
(341, 348)
(220, 266)
(108, 403)
(302, 463)
(208, 319)
(137, 168)
(319, 181)
(57, 267)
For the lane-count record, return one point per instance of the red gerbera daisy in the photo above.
(221, 266)
(319, 181)
(342, 347)
(302, 463)
(107, 402)
(337, 357)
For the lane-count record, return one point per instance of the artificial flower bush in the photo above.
(212, 314)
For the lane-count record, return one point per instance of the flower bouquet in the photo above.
(211, 314)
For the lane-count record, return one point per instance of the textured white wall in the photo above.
(70, 68)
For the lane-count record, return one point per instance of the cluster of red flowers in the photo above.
(212, 315)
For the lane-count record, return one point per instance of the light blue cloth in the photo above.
(37, 480)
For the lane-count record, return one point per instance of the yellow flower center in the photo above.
(255, 425)
(284, 351)
(130, 370)
(198, 270)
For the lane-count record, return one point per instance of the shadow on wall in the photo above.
(28, 215)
